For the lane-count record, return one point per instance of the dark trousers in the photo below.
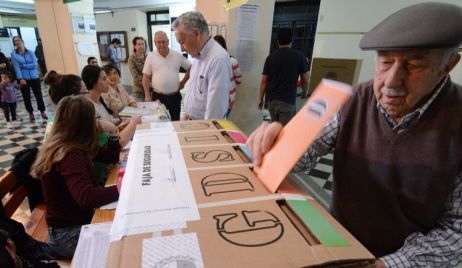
(171, 102)
(33, 84)
(9, 108)
(281, 111)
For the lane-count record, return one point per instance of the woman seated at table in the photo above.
(64, 165)
(117, 97)
(95, 80)
(62, 85)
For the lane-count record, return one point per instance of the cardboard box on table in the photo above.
(343, 70)
(189, 126)
(243, 223)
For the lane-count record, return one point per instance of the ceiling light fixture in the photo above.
(21, 1)
(102, 11)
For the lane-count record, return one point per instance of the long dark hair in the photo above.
(62, 85)
(90, 76)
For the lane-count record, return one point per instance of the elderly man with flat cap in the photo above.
(398, 143)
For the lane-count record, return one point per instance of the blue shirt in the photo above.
(25, 65)
(209, 83)
(112, 56)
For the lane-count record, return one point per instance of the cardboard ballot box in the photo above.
(188, 126)
(248, 233)
(215, 156)
(242, 224)
(224, 215)
(343, 70)
(210, 138)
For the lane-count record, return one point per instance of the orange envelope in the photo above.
(301, 131)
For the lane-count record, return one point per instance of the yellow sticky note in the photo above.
(234, 3)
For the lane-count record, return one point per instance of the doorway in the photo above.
(302, 18)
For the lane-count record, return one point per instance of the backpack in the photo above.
(21, 166)
(32, 253)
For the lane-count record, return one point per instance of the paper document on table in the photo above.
(93, 246)
(172, 251)
(157, 127)
(132, 111)
(127, 146)
(301, 131)
(156, 188)
(148, 105)
(109, 206)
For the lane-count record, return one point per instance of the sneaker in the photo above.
(17, 123)
(32, 117)
(44, 116)
(9, 125)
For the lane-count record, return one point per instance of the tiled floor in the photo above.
(22, 136)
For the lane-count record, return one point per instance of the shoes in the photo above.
(44, 116)
(9, 125)
(17, 123)
(32, 117)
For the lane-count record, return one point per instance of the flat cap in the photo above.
(421, 26)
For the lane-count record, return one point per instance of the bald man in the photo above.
(162, 66)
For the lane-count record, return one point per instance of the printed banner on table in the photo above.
(156, 189)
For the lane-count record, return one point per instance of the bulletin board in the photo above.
(104, 40)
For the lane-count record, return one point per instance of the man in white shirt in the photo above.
(163, 66)
(208, 89)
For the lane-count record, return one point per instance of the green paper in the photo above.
(318, 225)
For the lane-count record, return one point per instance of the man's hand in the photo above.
(260, 105)
(147, 97)
(262, 139)
(379, 264)
(22, 82)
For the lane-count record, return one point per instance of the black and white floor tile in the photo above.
(21, 136)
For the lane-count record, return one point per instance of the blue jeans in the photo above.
(63, 241)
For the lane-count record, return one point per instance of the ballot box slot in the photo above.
(227, 137)
(298, 223)
(242, 154)
(217, 124)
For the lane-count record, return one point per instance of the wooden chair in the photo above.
(14, 194)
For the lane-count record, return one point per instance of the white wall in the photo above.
(341, 24)
(58, 37)
(124, 20)
(245, 113)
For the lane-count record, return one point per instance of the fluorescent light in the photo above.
(102, 11)
(21, 1)
(10, 11)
